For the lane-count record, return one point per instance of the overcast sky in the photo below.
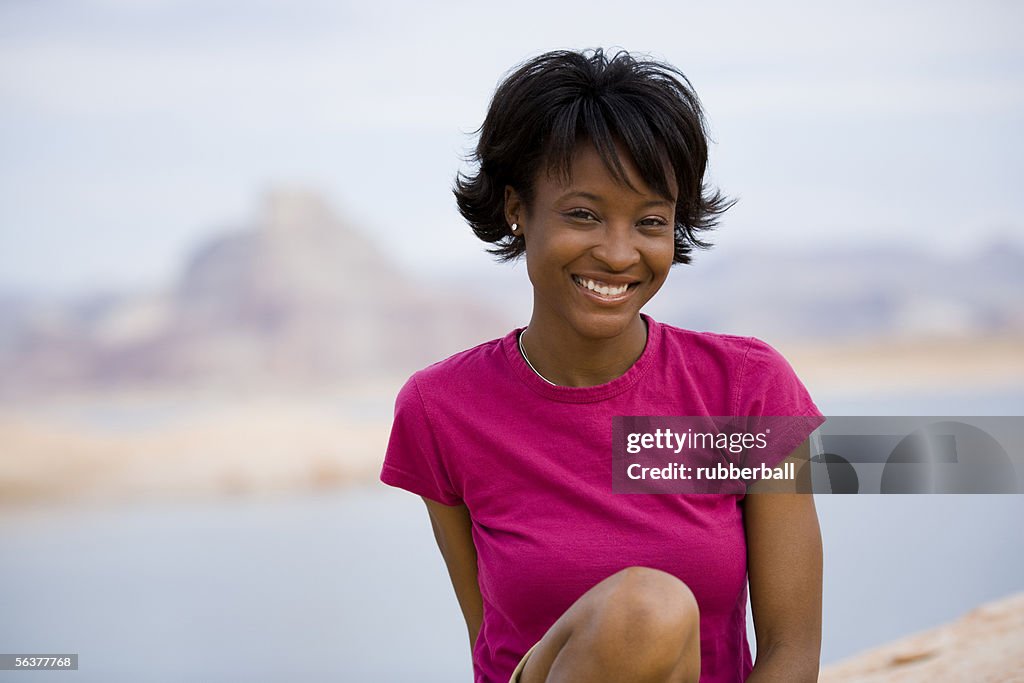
(129, 130)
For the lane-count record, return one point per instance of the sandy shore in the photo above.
(992, 363)
(137, 445)
(121, 445)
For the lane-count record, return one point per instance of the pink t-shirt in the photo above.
(532, 462)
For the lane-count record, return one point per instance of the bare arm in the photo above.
(785, 567)
(452, 530)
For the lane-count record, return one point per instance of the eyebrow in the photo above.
(595, 198)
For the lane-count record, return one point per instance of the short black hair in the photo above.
(551, 103)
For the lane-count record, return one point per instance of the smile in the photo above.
(604, 290)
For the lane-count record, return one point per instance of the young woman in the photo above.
(592, 166)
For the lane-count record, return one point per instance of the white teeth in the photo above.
(601, 288)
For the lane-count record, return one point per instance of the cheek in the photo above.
(663, 257)
(546, 257)
(540, 261)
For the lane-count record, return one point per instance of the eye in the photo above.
(653, 223)
(581, 215)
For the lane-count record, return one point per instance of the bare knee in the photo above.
(649, 600)
(639, 623)
(651, 617)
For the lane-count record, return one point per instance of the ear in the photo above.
(513, 206)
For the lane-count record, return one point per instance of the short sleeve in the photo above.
(412, 461)
(769, 390)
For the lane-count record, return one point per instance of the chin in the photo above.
(606, 325)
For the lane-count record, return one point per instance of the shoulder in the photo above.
(753, 373)
(472, 367)
(732, 349)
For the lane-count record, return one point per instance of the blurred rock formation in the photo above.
(297, 298)
(868, 292)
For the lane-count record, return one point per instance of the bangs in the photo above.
(612, 122)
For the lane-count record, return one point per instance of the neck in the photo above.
(567, 359)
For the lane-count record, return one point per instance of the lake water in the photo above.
(351, 587)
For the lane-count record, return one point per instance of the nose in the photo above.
(617, 248)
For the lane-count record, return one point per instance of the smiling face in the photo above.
(596, 250)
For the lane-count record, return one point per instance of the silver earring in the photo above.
(515, 226)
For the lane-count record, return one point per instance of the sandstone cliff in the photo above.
(984, 646)
(297, 297)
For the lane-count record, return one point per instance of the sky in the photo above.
(131, 130)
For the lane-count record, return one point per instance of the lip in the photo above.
(608, 278)
(632, 283)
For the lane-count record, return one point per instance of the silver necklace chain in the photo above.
(527, 359)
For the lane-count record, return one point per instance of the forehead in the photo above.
(588, 170)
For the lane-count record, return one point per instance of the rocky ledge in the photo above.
(986, 645)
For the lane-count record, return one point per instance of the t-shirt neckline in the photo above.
(598, 392)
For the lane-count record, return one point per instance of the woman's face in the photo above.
(596, 250)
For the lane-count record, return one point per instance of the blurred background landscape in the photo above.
(227, 237)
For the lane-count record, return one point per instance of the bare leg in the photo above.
(640, 625)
